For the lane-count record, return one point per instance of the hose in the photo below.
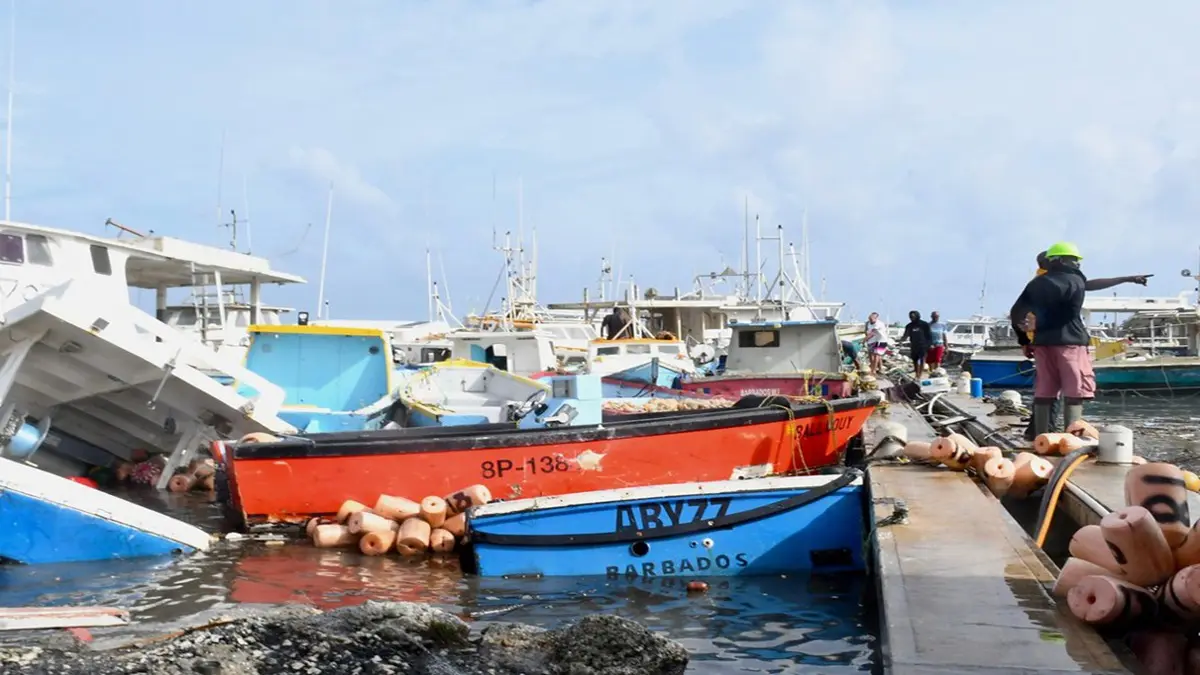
(1054, 488)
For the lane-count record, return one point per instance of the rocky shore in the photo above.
(376, 638)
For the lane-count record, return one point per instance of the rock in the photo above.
(376, 638)
(609, 645)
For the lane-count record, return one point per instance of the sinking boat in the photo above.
(48, 519)
(295, 478)
(460, 392)
(747, 527)
(784, 358)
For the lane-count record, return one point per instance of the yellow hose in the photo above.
(1058, 487)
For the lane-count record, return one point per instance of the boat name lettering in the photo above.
(532, 465)
(821, 426)
(651, 515)
(667, 567)
(760, 392)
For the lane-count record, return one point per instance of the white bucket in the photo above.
(1116, 445)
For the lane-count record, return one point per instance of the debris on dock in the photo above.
(33, 618)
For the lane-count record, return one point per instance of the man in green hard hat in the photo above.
(1050, 308)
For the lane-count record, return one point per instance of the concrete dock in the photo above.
(962, 587)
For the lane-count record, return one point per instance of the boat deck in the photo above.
(962, 588)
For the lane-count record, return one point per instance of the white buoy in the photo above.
(1116, 445)
(1011, 396)
(963, 385)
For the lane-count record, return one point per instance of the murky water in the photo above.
(1165, 429)
(762, 625)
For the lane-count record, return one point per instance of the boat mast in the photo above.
(8, 133)
(246, 209)
(429, 280)
(757, 260)
(322, 308)
(745, 290)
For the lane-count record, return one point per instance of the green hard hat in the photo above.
(1064, 249)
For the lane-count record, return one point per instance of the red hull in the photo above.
(295, 479)
(737, 386)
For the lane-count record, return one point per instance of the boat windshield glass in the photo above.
(608, 351)
(637, 349)
(668, 349)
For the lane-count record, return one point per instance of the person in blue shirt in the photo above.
(937, 348)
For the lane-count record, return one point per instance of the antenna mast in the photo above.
(322, 310)
(746, 248)
(8, 135)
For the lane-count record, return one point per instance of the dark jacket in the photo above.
(918, 333)
(1056, 301)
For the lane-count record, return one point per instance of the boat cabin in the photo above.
(784, 347)
(518, 352)
(606, 357)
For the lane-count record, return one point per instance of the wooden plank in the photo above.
(962, 587)
(30, 618)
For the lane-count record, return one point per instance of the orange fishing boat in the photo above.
(292, 479)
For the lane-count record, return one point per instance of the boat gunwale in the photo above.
(473, 437)
(730, 520)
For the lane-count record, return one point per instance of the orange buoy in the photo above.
(1072, 443)
(377, 542)
(398, 509)
(1088, 544)
(408, 551)
(697, 587)
(981, 457)
(942, 449)
(312, 525)
(1101, 600)
(441, 541)
(1181, 594)
(1030, 473)
(998, 475)
(349, 507)
(918, 451)
(963, 442)
(456, 525)
(1074, 571)
(1138, 459)
(181, 482)
(1083, 429)
(414, 533)
(474, 495)
(1138, 545)
(258, 437)
(332, 536)
(433, 510)
(364, 521)
(206, 483)
(201, 468)
(1161, 489)
(1048, 444)
(1159, 652)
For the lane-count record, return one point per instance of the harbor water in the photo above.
(793, 624)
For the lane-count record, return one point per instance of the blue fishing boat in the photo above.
(1174, 374)
(461, 392)
(335, 378)
(48, 519)
(723, 528)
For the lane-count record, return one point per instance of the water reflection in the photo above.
(777, 625)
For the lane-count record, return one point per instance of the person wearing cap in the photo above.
(1049, 322)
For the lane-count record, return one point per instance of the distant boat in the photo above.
(1174, 374)
(297, 477)
(48, 519)
(787, 358)
(748, 527)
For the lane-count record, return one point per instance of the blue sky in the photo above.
(925, 139)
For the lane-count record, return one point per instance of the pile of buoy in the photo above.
(1017, 477)
(201, 475)
(629, 406)
(1137, 573)
(435, 524)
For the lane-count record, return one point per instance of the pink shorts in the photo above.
(1065, 369)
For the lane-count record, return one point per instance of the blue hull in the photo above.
(48, 519)
(1001, 373)
(1011, 373)
(749, 527)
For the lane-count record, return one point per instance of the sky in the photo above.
(934, 146)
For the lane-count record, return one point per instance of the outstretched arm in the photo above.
(1101, 284)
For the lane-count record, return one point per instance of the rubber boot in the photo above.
(1043, 415)
(1072, 412)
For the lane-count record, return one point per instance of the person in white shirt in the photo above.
(877, 341)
